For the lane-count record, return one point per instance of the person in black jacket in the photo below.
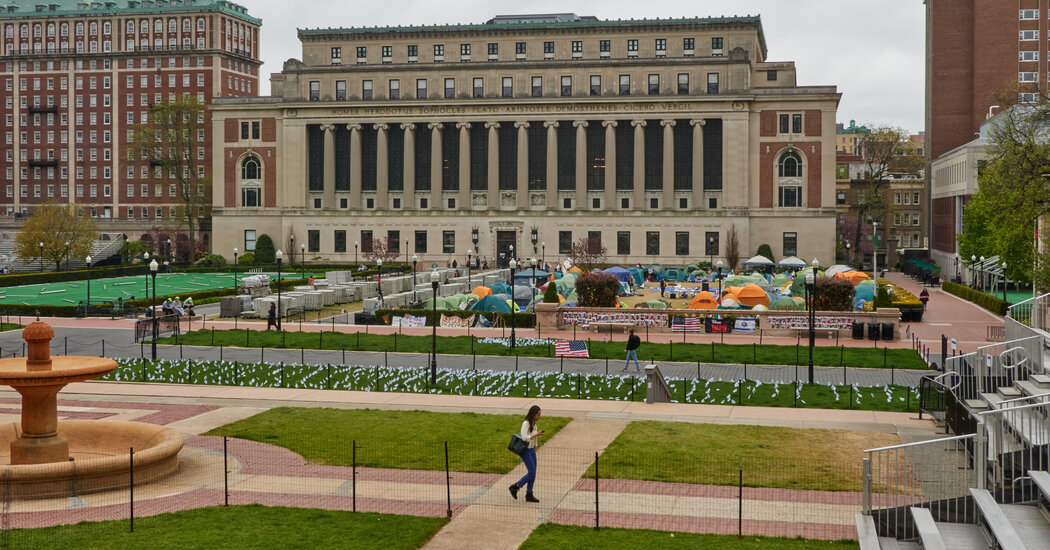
(633, 342)
(271, 318)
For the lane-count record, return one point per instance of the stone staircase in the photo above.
(108, 245)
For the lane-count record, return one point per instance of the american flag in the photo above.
(687, 324)
(570, 348)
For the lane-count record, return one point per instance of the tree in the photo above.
(885, 150)
(833, 294)
(64, 233)
(264, 254)
(597, 289)
(550, 296)
(168, 145)
(385, 249)
(588, 252)
(766, 251)
(732, 248)
(857, 235)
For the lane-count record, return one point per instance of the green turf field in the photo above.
(127, 288)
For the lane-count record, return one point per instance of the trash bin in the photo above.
(858, 331)
(705, 286)
(874, 331)
(887, 331)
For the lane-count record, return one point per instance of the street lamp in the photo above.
(68, 243)
(434, 331)
(980, 274)
(145, 256)
(847, 253)
(153, 272)
(513, 266)
(41, 256)
(1004, 281)
(811, 304)
(355, 251)
(512, 257)
(535, 238)
(543, 253)
(875, 254)
(235, 270)
(87, 261)
(278, 256)
(291, 249)
(379, 280)
(302, 258)
(710, 251)
(470, 253)
(719, 281)
(973, 275)
(414, 260)
(474, 237)
(171, 254)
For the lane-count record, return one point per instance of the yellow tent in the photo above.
(703, 300)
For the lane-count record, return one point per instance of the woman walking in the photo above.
(530, 433)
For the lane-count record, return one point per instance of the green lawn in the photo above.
(615, 386)
(391, 439)
(4, 327)
(253, 526)
(765, 354)
(566, 537)
(791, 458)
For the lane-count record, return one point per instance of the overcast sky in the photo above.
(873, 51)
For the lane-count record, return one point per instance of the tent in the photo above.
(575, 269)
(741, 280)
(456, 301)
(781, 279)
(481, 291)
(792, 261)
(530, 274)
(523, 292)
(864, 292)
(703, 300)
(638, 274)
(442, 303)
(491, 303)
(654, 304)
(623, 274)
(836, 269)
(752, 295)
(760, 307)
(655, 268)
(691, 268)
(729, 303)
(854, 277)
(674, 274)
(787, 304)
(500, 288)
(759, 260)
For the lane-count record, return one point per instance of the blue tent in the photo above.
(532, 274)
(491, 303)
(623, 274)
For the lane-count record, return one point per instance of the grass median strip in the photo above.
(710, 352)
(566, 537)
(786, 458)
(251, 526)
(391, 439)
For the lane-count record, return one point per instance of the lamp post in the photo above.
(291, 249)
(278, 256)
(513, 266)
(512, 257)
(41, 256)
(87, 261)
(973, 278)
(810, 302)
(875, 254)
(302, 258)
(153, 272)
(474, 238)
(235, 270)
(535, 238)
(980, 274)
(379, 281)
(543, 253)
(434, 331)
(145, 257)
(470, 253)
(719, 281)
(1004, 281)
(171, 256)
(847, 253)
(414, 260)
(355, 251)
(711, 251)
(68, 244)
(956, 279)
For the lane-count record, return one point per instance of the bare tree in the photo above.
(885, 150)
(588, 253)
(380, 249)
(732, 248)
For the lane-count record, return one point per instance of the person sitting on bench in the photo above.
(177, 306)
(166, 308)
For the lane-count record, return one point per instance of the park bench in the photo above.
(610, 327)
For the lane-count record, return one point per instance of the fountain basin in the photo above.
(100, 451)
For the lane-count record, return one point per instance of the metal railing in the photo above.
(1016, 439)
(995, 366)
(1032, 313)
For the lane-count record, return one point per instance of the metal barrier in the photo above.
(995, 366)
(1017, 439)
(166, 326)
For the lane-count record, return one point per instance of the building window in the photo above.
(796, 123)
(448, 242)
(771, 76)
(479, 87)
(362, 52)
(340, 90)
(1027, 35)
(661, 45)
(577, 46)
(1028, 56)
(681, 243)
(1029, 14)
(596, 84)
(413, 50)
(625, 84)
(313, 238)
(508, 87)
(915, 198)
(249, 239)
(450, 88)
(315, 90)
(519, 48)
(683, 83)
(537, 86)
(421, 241)
(439, 50)
(564, 242)
(1027, 76)
(339, 240)
(337, 54)
(716, 44)
(688, 43)
(604, 46)
(566, 86)
(623, 242)
(366, 89)
(493, 48)
(712, 83)
(789, 172)
(395, 89)
(840, 198)
(548, 47)
(791, 244)
(388, 51)
(711, 243)
(654, 84)
(393, 239)
(464, 49)
(652, 243)
(421, 88)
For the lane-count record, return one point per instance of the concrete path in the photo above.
(561, 462)
(949, 315)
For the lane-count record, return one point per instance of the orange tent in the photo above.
(729, 296)
(753, 295)
(854, 277)
(575, 269)
(703, 300)
(481, 291)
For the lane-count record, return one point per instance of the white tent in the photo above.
(759, 260)
(792, 261)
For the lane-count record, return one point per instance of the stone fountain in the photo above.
(48, 458)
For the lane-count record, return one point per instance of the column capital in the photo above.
(462, 125)
(550, 124)
(327, 127)
(609, 123)
(492, 125)
(380, 127)
(667, 123)
(408, 126)
(579, 123)
(435, 125)
(698, 122)
(521, 124)
(637, 123)
(355, 127)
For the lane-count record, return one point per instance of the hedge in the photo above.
(521, 320)
(18, 279)
(987, 301)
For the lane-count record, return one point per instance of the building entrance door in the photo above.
(505, 245)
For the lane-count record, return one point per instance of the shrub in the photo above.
(264, 253)
(550, 296)
(882, 298)
(248, 258)
(597, 290)
(766, 250)
(987, 301)
(211, 260)
(833, 294)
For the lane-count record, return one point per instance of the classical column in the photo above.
(329, 165)
(382, 169)
(355, 165)
(408, 196)
(523, 163)
(464, 166)
(667, 202)
(610, 162)
(581, 163)
(551, 189)
(493, 176)
(638, 194)
(435, 163)
(698, 162)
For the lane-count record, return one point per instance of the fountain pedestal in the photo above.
(39, 442)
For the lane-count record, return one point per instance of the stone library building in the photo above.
(520, 135)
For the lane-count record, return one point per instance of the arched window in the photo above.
(251, 184)
(789, 180)
(250, 169)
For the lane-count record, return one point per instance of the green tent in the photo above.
(787, 304)
(491, 303)
(442, 303)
